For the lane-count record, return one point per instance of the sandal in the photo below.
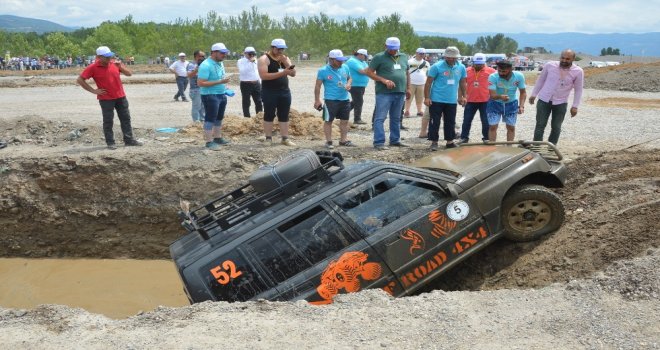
(346, 143)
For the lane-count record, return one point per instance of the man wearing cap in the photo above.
(197, 111)
(275, 68)
(211, 78)
(503, 102)
(110, 94)
(248, 73)
(357, 67)
(180, 70)
(477, 96)
(445, 88)
(389, 69)
(418, 66)
(336, 80)
(554, 85)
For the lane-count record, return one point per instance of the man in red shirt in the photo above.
(110, 93)
(477, 96)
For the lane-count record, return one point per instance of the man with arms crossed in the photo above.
(211, 78)
(503, 103)
(336, 81)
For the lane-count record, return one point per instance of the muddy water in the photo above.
(115, 288)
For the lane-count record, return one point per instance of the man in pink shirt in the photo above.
(477, 97)
(553, 86)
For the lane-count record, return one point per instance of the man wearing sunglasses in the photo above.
(197, 107)
(248, 73)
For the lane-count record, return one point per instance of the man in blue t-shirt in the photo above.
(445, 88)
(211, 79)
(503, 103)
(357, 66)
(336, 81)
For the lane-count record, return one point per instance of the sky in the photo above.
(532, 16)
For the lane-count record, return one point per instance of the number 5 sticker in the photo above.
(225, 272)
(458, 210)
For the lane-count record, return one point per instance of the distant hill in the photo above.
(11, 23)
(644, 44)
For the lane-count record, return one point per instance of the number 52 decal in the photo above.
(225, 272)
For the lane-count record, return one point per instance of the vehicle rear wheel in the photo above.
(531, 211)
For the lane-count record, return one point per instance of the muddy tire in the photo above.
(531, 211)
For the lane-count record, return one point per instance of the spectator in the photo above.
(503, 102)
(419, 67)
(477, 97)
(197, 111)
(180, 70)
(110, 93)
(357, 67)
(389, 69)
(275, 68)
(336, 81)
(444, 89)
(552, 88)
(211, 78)
(248, 74)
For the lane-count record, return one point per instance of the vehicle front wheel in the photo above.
(531, 211)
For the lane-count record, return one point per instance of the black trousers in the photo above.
(357, 97)
(108, 108)
(251, 90)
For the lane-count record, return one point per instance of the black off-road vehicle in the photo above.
(308, 227)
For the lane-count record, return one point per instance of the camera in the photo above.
(320, 108)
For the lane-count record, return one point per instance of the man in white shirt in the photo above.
(418, 67)
(248, 73)
(180, 70)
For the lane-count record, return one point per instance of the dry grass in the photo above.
(620, 102)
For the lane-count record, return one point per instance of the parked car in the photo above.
(308, 227)
(597, 64)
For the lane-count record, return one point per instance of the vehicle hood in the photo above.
(476, 162)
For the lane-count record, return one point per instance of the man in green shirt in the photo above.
(389, 69)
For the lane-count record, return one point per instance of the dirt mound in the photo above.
(625, 77)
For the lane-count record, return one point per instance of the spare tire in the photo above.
(284, 170)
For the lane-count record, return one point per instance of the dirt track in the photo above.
(64, 195)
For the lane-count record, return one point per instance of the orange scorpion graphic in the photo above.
(343, 273)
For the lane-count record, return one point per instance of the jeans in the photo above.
(108, 108)
(198, 111)
(471, 109)
(214, 106)
(357, 97)
(252, 90)
(181, 84)
(543, 110)
(391, 103)
(446, 111)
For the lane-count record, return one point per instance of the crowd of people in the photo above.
(499, 95)
(26, 63)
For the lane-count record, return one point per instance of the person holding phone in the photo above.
(275, 68)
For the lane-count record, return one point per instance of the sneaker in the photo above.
(221, 141)
(381, 148)
(459, 141)
(423, 136)
(133, 143)
(398, 144)
(420, 114)
(176, 99)
(328, 145)
(212, 146)
(346, 143)
(185, 100)
(112, 147)
(451, 145)
(434, 146)
(403, 127)
(406, 114)
(287, 142)
(360, 122)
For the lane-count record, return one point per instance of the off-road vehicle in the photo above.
(309, 227)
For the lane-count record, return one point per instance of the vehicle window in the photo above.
(278, 256)
(232, 279)
(384, 199)
(317, 235)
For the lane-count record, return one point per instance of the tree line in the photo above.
(315, 35)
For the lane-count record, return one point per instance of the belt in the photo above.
(250, 81)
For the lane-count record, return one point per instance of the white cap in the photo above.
(421, 50)
(219, 47)
(182, 54)
(362, 52)
(393, 43)
(452, 51)
(479, 58)
(104, 51)
(278, 43)
(337, 55)
(249, 49)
